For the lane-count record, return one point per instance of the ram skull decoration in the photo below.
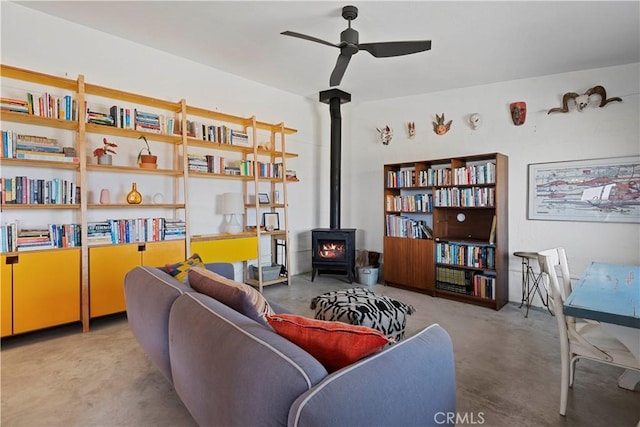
(583, 100)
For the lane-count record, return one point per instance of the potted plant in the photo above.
(146, 161)
(104, 154)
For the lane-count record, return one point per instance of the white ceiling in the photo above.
(473, 43)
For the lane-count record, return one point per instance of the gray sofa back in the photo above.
(149, 294)
(411, 383)
(255, 375)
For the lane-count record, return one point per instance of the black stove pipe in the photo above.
(335, 97)
(336, 163)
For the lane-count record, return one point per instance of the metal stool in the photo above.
(531, 281)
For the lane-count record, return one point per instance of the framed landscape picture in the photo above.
(603, 190)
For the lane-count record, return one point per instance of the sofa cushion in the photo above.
(179, 270)
(242, 298)
(334, 344)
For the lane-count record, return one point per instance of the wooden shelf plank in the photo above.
(8, 71)
(130, 133)
(92, 89)
(133, 169)
(40, 163)
(38, 206)
(141, 205)
(30, 119)
(221, 236)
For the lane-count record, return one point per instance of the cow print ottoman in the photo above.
(359, 306)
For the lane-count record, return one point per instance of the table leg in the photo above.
(629, 380)
(630, 337)
(525, 266)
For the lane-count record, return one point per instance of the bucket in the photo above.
(367, 276)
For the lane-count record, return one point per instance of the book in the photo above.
(428, 232)
(492, 235)
(49, 157)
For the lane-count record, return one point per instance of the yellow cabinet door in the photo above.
(46, 289)
(107, 267)
(157, 254)
(226, 250)
(6, 282)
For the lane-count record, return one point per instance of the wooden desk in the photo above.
(610, 294)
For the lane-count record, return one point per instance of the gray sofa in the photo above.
(229, 370)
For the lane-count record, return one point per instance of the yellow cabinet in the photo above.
(158, 254)
(46, 289)
(109, 264)
(6, 285)
(225, 248)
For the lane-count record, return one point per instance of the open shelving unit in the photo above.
(90, 284)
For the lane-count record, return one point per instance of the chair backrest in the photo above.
(550, 261)
(560, 262)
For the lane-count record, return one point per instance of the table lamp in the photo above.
(232, 205)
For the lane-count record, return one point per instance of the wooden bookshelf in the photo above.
(464, 254)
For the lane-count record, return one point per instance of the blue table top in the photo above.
(607, 293)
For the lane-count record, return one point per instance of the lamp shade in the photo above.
(232, 203)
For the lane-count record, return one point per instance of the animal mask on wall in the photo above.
(475, 120)
(386, 133)
(583, 100)
(439, 127)
(411, 128)
(518, 112)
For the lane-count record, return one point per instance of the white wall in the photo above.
(61, 48)
(610, 131)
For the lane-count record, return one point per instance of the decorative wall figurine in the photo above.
(386, 133)
(583, 100)
(411, 128)
(518, 112)
(439, 127)
(475, 120)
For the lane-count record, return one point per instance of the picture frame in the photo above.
(263, 198)
(596, 190)
(271, 221)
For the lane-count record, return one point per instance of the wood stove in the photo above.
(334, 248)
(333, 251)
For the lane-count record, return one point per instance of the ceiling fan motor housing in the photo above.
(349, 13)
(349, 41)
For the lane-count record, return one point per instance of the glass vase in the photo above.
(134, 197)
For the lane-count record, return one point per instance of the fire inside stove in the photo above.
(331, 250)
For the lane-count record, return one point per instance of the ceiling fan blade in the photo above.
(306, 37)
(387, 49)
(339, 69)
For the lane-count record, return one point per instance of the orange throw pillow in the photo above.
(334, 344)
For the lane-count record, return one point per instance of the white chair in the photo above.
(578, 340)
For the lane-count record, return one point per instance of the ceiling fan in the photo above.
(349, 46)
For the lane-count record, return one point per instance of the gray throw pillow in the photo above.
(239, 296)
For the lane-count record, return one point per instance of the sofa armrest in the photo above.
(222, 268)
(411, 383)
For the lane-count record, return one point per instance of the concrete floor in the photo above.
(507, 369)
